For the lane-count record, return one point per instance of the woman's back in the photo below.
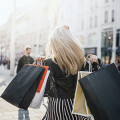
(65, 50)
(64, 86)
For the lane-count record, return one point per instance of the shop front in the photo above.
(91, 50)
(107, 44)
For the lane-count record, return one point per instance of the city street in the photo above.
(10, 112)
(60, 41)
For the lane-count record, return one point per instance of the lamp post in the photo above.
(109, 38)
(114, 34)
(12, 43)
(105, 53)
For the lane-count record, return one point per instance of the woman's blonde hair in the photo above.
(63, 47)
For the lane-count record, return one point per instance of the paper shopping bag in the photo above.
(102, 93)
(80, 107)
(22, 88)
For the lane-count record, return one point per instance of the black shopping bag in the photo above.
(22, 88)
(102, 92)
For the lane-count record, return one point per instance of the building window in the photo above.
(91, 22)
(96, 4)
(106, 46)
(118, 44)
(106, 1)
(112, 15)
(106, 17)
(79, 24)
(82, 24)
(118, 39)
(96, 20)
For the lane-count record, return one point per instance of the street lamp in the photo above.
(110, 50)
(109, 37)
(105, 52)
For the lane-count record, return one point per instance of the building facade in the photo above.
(32, 28)
(94, 23)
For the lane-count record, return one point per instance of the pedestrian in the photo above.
(4, 63)
(8, 64)
(0, 62)
(117, 63)
(64, 58)
(40, 60)
(25, 59)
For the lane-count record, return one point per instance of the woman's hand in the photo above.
(41, 58)
(92, 58)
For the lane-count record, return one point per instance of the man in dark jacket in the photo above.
(25, 59)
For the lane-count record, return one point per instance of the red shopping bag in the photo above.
(43, 77)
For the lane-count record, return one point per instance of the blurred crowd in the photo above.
(5, 63)
(37, 61)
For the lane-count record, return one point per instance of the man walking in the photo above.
(25, 59)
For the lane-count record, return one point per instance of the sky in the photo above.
(6, 8)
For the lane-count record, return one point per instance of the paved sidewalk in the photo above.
(10, 112)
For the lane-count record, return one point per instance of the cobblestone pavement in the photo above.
(10, 112)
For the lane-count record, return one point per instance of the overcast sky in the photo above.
(6, 7)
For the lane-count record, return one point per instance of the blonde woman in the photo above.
(64, 58)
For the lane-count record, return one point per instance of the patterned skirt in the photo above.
(61, 109)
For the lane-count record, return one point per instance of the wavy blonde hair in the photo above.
(63, 47)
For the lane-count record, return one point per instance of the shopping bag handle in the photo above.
(99, 65)
(40, 63)
(90, 66)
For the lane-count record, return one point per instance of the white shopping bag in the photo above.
(37, 100)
